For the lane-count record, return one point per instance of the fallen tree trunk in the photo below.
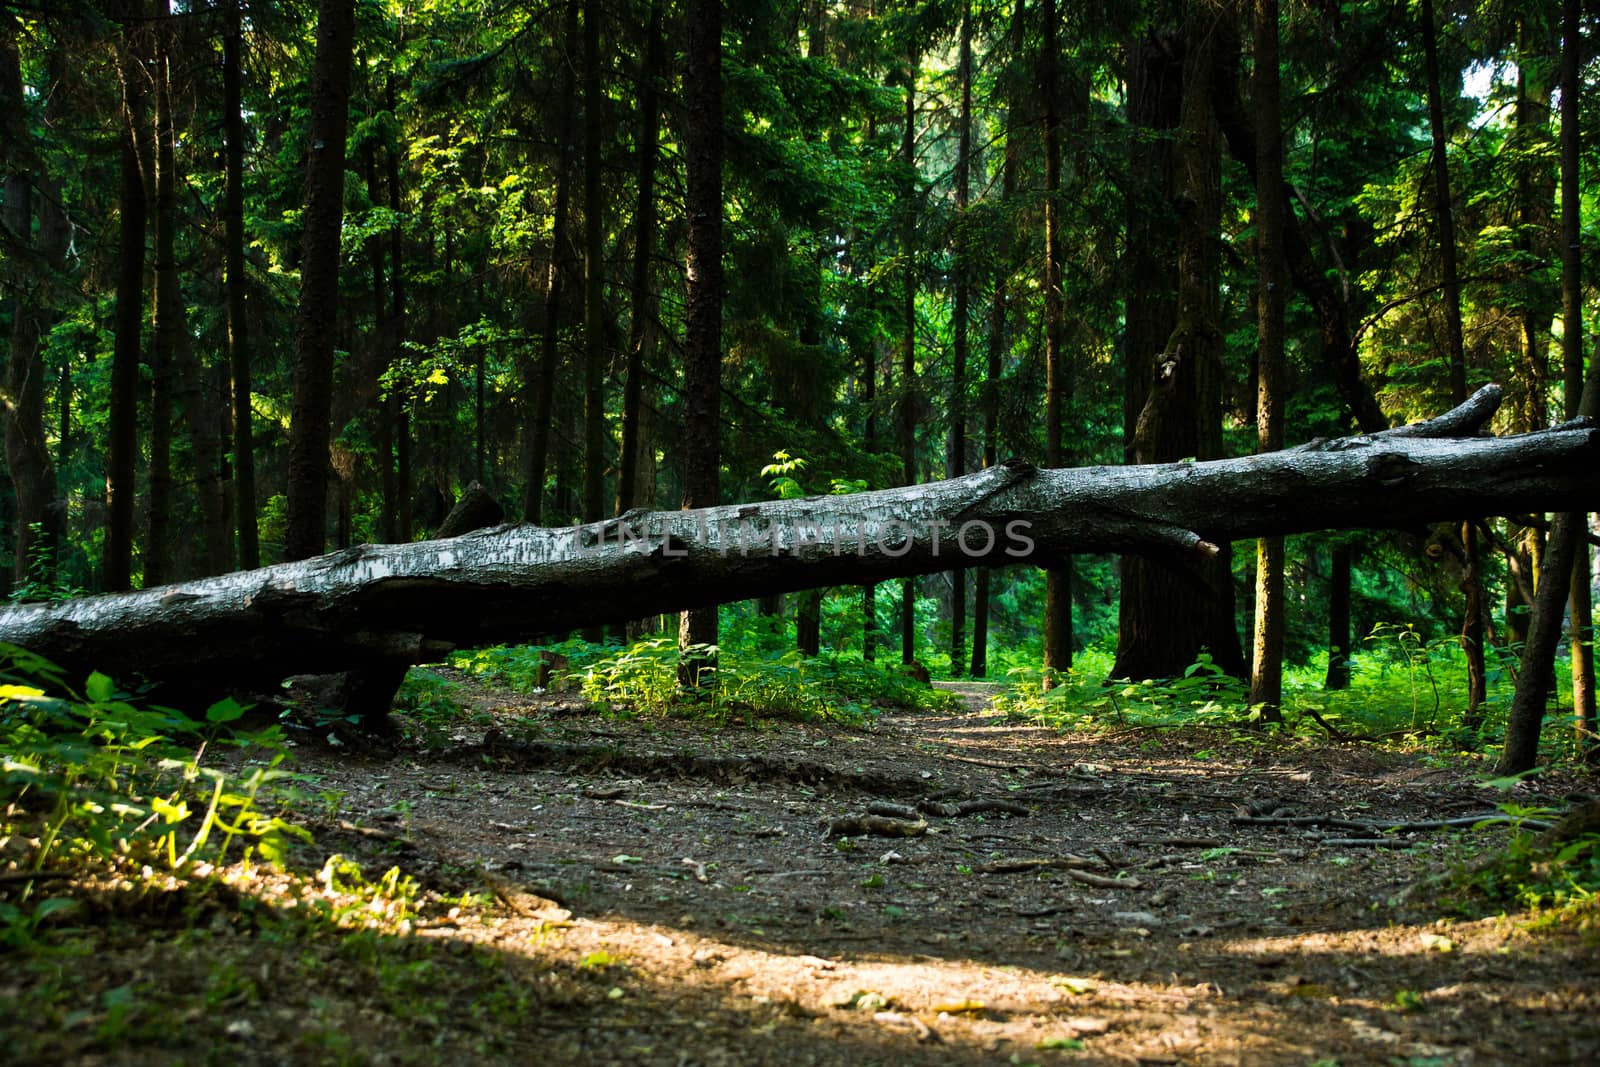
(377, 608)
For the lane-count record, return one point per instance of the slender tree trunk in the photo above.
(382, 343)
(993, 368)
(702, 343)
(1338, 676)
(1582, 607)
(1266, 675)
(22, 408)
(594, 354)
(1472, 632)
(869, 592)
(237, 284)
(158, 547)
(908, 342)
(641, 321)
(316, 319)
(957, 463)
(1058, 580)
(122, 436)
(544, 387)
(204, 421)
(399, 406)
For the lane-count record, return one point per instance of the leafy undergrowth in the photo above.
(1402, 692)
(754, 681)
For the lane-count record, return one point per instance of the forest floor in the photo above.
(595, 890)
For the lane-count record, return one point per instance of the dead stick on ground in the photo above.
(1491, 818)
(1050, 863)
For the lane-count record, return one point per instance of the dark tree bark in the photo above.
(1537, 675)
(398, 415)
(994, 365)
(1266, 670)
(382, 344)
(956, 465)
(316, 319)
(1472, 629)
(22, 411)
(594, 353)
(1057, 580)
(385, 606)
(1169, 618)
(237, 285)
(1582, 607)
(702, 343)
(908, 341)
(164, 339)
(203, 421)
(544, 385)
(122, 444)
(641, 321)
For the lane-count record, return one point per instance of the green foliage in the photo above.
(759, 677)
(1555, 874)
(44, 581)
(99, 778)
(1404, 688)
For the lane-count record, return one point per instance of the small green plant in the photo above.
(97, 778)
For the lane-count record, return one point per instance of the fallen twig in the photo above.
(877, 826)
(1012, 866)
(973, 807)
(1102, 882)
(1174, 842)
(1490, 818)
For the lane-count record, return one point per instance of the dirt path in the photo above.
(738, 929)
(649, 892)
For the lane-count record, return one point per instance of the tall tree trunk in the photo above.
(702, 342)
(1472, 630)
(641, 320)
(122, 432)
(994, 366)
(1155, 101)
(1058, 580)
(869, 591)
(316, 319)
(399, 408)
(164, 339)
(1266, 673)
(237, 284)
(1582, 606)
(22, 410)
(957, 463)
(1339, 650)
(544, 386)
(1170, 616)
(382, 344)
(204, 420)
(908, 341)
(594, 353)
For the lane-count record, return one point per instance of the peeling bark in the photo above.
(375, 607)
